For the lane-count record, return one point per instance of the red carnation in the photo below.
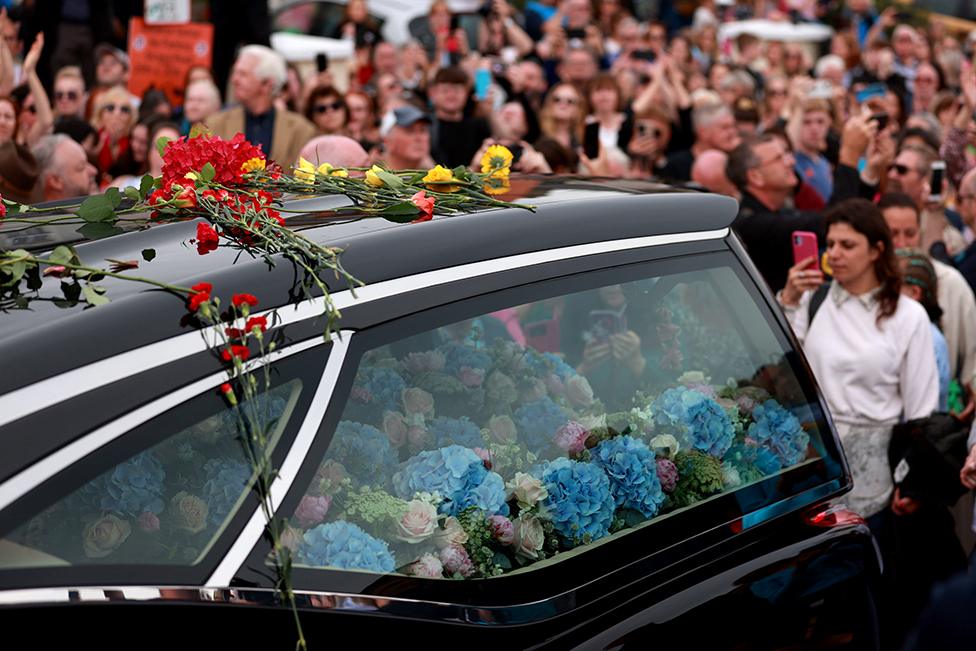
(256, 322)
(234, 333)
(200, 294)
(235, 352)
(226, 388)
(207, 238)
(241, 299)
(3, 208)
(424, 204)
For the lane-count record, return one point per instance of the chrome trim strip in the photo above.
(40, 395)
(239, 551)
(27, 479)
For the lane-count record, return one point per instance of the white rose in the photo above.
(452, 534)
(527, 490)
(529, 537)
(418, 523)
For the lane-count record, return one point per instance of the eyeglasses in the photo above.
(565, 100)
(70, 95)
(334, 106)
(122, 108)
(899, 169)
(966, 197)
(776, 92)
(776, 159)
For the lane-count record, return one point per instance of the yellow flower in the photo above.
(326, 169)
(496, 159)
(497, 184)
(372, 176)
(436, 177)
(305, 171)
(253, 165)
(191, 175)
(338, 172)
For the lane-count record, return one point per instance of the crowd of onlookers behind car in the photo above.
(867, 140)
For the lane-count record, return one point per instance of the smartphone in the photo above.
(821, 89)
(482, 80)
(321, 61)
(644, 55)
(516, 150)
(604, 323)
(576, 33)
(805, 246)
(882, 120)
(935, 181)
(871, 91)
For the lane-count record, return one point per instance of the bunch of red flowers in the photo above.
(231, 159)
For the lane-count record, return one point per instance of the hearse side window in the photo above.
(161, 494)
(501, 442)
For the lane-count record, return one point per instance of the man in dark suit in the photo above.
(258, 74)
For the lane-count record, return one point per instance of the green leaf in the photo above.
(148, 254)
(132, 193)
(98, 230)
(460, 172)
(114, 197)
(61, 255)
(92, 296)
(71, 291)
(207, 173)
(162, 144)
(391, 181)
(34, 280)
(97, 208)
(16, 271)
(14, 208)
(145, 185)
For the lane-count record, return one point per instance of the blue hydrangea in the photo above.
(632, 469)
(226, 481)
(542, 364)
(700, 421)
(458, 474)
(457, 356)
(131, 487)
(364, 451)
(384, 386)
(764, 460)
(780, 431)
(767, 462)
(345, 546)
(579, 502)
(457, 431)
(538, 422)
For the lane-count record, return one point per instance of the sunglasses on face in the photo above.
(899, 169)
(112, 108)
(333, 106)
(565, 100)
(70, 95)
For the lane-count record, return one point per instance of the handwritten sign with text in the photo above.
(161, 55)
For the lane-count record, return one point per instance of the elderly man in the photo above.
(406, 138)
(954, 295)
(258, 74)
(714, 129)
(338, 151)
(708, 171)
(65, 170)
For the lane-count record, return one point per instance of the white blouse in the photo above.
(870, 374)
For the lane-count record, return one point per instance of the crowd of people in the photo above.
(866, 140)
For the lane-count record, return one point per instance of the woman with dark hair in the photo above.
(327, 110)
(609, 125)
(868, 344)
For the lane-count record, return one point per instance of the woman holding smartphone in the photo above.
(869, 346)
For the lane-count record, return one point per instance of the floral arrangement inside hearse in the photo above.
(465, 462)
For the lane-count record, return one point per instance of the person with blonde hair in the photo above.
(561, 117)
(113, 116)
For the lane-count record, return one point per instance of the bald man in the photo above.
(338, 151)
(708, 171)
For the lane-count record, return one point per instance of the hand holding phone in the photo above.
(936, 182)
(805, 247)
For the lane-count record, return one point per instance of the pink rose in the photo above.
(452, 534)
(189, 512)
(426, 362)
(148, 522)
(555, 385)
(417, 401)
(471, 377)
(502, 429)
(329, 477)
(104, 536)
(312, 510)
(502, 529)
(745, 404)
(534, 389)
(361, 394)
(417, 437)
(667, 473)
(456, 560)
(579, 391)
(571, 437)
(427, 566)
(529, 537)
(418, 523)
(395, 428)
(484, 455)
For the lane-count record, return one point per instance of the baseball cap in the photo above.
(402, 116)
(104, 48)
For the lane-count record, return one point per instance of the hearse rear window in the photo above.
(506, 441)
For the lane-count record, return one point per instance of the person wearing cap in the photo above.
(746, 114)
(65, 172)
(258, 74)
(111, 66)
(454, 137)
(406, 138)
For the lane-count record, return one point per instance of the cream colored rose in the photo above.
(395, 428)
(693, 377)
(189, 512)
(105, 535)
(418, 523)
(579, 391)
(529, 537)
(665, 444)
(417, 401)
(528, 490)
(502, 429)
(452, 534)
